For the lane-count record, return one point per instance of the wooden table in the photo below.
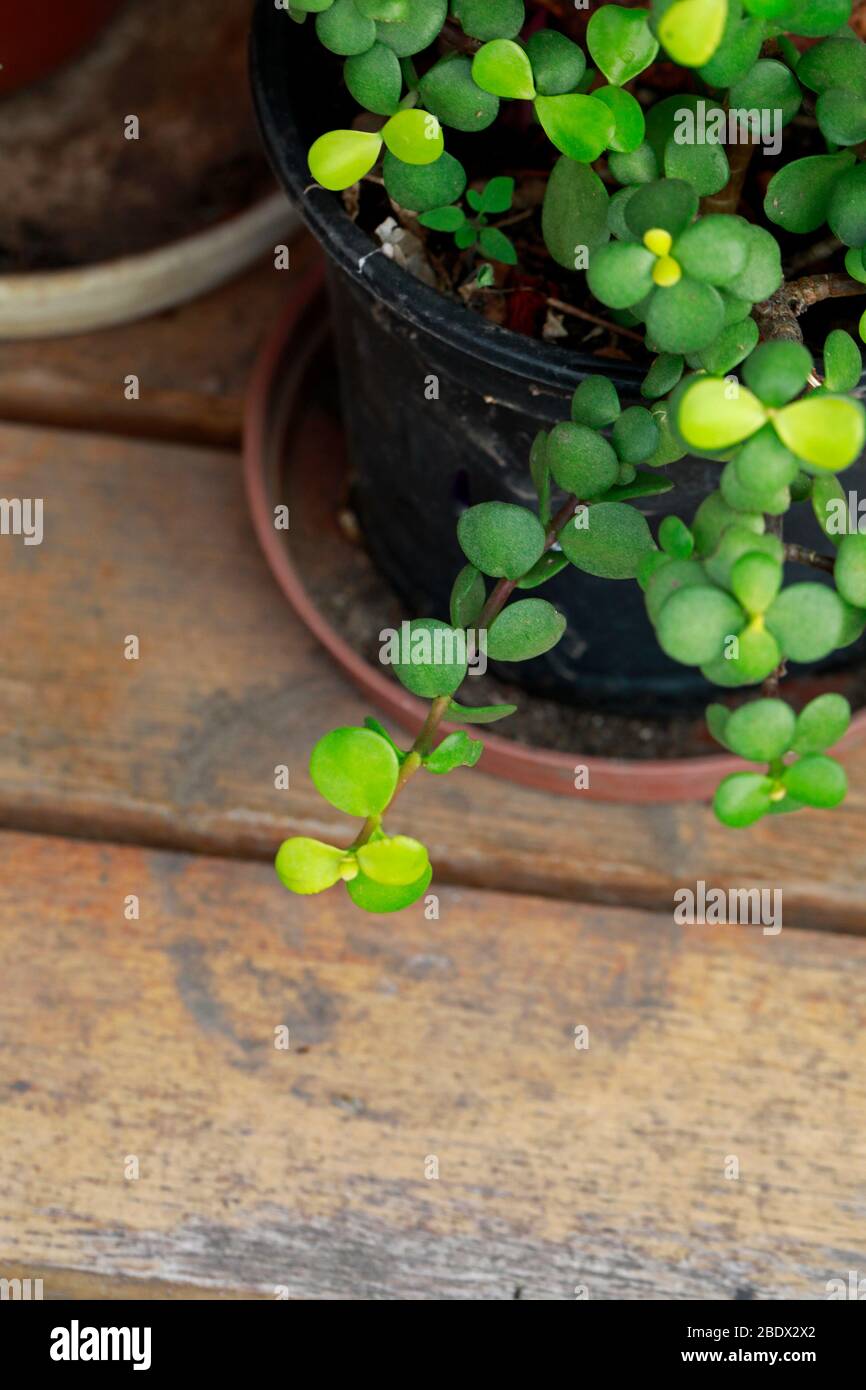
(432, 1131)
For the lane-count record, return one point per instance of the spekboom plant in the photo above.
(668, 250)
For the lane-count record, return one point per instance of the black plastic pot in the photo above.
(418, 461)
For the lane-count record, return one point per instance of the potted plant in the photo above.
(640, 151)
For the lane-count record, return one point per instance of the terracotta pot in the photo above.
(37, 38)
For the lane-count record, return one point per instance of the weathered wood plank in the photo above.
(192, 365)
(179, 748)
(410, 1038)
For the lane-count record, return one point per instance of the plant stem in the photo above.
(801, 555)
(496, 601)
(777, 316)
(564, 308)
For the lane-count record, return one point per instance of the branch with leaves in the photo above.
(674, 263)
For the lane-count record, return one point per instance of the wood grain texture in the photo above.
(179, 748)
(192, 363)
(305, 1168)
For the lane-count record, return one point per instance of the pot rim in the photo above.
(610, 779)
(551, 368)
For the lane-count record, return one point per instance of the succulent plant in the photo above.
(730, 380)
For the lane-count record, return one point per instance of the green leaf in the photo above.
(465, 236)
(705, 167)
(579, 126)
(806, 620)
(846, 211)
(467, 597)
(500, 538)
(841, 116)
(761, 731)
(717, 717)
(735, 542)
(480, 714)
(716, 414)
(830, 506)
(669, 204)
(798, 196)
(768, 86)
(735, 55)
(663, 375)
(497, 195)
(374, 79)
(342, 157)
(310, 866)
(821, 724)
(497, 246)
(355, 770)
(424, 20)
(636, 166)
(609, 542)
(387, 10)
(762, 274)
(743, 798)
(620, 42)
(695, 623)
(714, 249)
(777, 372)
(650, 564)
(666, 579)
(451, 93)
(414, 136)
(850, 571)
(558, 64)
(714, 517)
(432, 661)
(423, 187)
(539, 468)
(635, 435)
(826, 431)
(455, 750)
(629, 125)
(644, 484)
(581, 460)
(691, 30)
(344, 30)
(620, 274)
(685, 317)
(814, 18)
(843, 365)
(503, 68)
(380, 897)
(837, 62)
(816, 780)
(546, 568)
(755, 656)
(524, 629)
(595, 403)
(764, 464)
(396, 862)
(676, 538)
(734, 343)
(371, 723)
(751, 497)
(490, 19)
(574, 213)
(443, 219)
